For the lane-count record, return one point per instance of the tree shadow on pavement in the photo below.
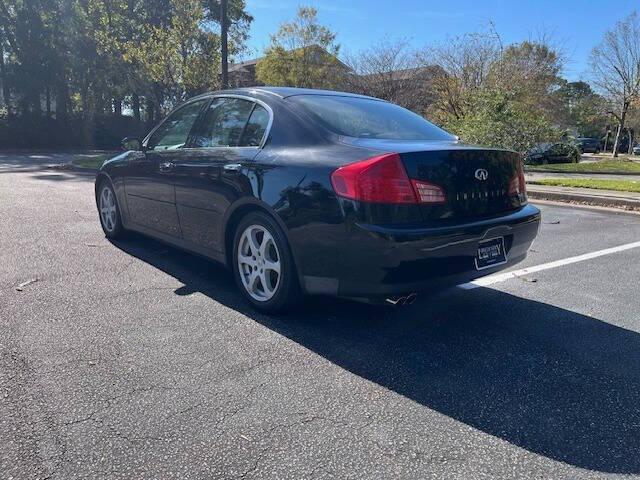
(552, 381)
(53, 174)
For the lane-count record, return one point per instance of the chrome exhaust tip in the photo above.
(401, 301)
(396, 301)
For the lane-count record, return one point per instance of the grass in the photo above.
(618, 185)
(608, 156)
(605, 166)
(93, 161)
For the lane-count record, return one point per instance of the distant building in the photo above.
(411, 88)
(243, 74)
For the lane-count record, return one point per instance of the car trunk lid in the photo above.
(477, 182)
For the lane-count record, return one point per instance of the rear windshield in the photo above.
(366, 118)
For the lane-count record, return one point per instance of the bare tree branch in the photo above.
(616, 69)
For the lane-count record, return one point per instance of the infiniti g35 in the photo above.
(318, 192)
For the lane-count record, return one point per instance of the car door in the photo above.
(149, 184)
(564, 153)
(555, 153)
(215, 172)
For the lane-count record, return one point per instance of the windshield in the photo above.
(368, 118)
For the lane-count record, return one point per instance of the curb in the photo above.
(584, 199)
(590, 172)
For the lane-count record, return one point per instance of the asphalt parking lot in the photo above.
(134, 360)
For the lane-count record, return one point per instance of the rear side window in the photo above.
(368, 118)
(256, 126)
(224, 123)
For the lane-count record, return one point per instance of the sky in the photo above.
(575, 25)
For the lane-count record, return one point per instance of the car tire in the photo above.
(109, 211)
(263, 265)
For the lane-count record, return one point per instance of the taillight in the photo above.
(518, 186)
(378, 180)
(429, 192)
(383, 179)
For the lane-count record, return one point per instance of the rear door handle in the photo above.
(166, 166)
(232, 168)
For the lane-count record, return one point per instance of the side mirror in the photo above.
(131, 143)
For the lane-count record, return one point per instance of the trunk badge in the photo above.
(481, 174)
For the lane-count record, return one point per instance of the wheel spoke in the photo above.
(266, 283)
(267, 240)
(246, 260)
(254, 243)
(254, 279)
(273, 266)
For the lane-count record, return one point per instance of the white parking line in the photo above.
(501, 277)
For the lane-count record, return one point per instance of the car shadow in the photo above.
(552, 381)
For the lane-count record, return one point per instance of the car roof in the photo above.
(285, 92)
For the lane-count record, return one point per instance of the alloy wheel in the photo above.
(108, 211)
(259, 263)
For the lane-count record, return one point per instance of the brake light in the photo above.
(518, 186)
(383, 179)
(379, 179)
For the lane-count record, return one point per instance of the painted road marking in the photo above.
(501, 277)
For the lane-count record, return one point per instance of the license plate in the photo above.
(491, 253)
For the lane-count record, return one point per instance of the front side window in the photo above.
(224, 123)
(368, 118)
(174, 131)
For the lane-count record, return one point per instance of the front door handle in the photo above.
(166, 166)
(232, 168)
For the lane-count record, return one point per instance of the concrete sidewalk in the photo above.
(585, 196)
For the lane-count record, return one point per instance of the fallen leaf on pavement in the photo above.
(20, 287)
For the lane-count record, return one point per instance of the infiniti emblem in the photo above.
(482, 174)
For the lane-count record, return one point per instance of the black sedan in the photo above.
(588, 145)
(319, 192)
(545, 153)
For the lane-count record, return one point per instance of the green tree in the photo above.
(179, 59)
(86, 61)
(580, 109)
(496, 118)
(28, 31)
(494, 95)
(302, 53)
(239, 20)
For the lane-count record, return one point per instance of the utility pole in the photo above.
(224, 27)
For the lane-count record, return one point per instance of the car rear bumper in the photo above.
(380, 261)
